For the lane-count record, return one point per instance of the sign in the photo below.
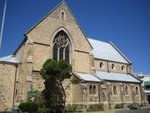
(32, 96)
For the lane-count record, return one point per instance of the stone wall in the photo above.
(7, 84)
(107, 66)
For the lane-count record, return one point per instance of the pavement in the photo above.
(147, 110)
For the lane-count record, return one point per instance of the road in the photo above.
(135, 111)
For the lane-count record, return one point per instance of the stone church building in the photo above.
(105, 72)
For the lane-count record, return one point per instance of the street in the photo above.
(135, 111)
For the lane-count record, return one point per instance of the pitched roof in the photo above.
(10, 59)
(88, 77)
(110, 76)
(107, 51)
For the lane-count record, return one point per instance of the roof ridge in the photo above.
(123, 55)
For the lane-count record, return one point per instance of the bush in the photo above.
(133, 106)
(119, 106)
(71, 108)
(96, 107)
(43, 110)
(30, 107)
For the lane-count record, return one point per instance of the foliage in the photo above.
(133, 106)
(54, 72)
(30, 107)
(96, 107)
(58, 70)
(43, 110)
(71, 108)
(75, 80)
(119, 106)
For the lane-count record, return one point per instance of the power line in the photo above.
(3, 20)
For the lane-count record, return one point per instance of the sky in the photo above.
(124, 22)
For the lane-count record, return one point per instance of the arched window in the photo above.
(61, 47)
(101, 64)
(90, 90)
(62, 15)
(136, 91)
(112, 66)
(122, 68)
(126, 90)
(94, 89)
(115, 90)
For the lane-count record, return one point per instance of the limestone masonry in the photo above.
(105, 72)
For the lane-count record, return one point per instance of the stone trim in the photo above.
(82, 51)
(41, 43)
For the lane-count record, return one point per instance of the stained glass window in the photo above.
(61, 47)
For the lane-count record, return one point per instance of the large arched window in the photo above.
(61, 46)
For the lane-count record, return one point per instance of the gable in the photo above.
(43, 31)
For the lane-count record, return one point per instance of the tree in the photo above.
(55, 72)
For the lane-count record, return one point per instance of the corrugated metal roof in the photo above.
(106, 51)
(116, 77)
(88, 77)
(10, 59)
(146, 78)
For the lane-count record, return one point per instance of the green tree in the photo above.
(55, 72)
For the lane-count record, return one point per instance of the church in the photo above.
(105, 72)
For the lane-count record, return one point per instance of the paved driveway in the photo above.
(135, 111)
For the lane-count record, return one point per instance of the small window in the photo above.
(101, 64)
(90, 90)
(62, 15)
(112, 66)
(136, 91)
(122, 68)
(94, 89)
(115, 90)
(126, 90)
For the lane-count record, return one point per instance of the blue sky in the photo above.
(124, 22)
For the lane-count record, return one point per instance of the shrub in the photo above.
(30, 107)
(43, 110)
(71, 108)
(96, 107)
(133, 106)
(119, 106)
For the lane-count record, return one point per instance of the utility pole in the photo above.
(3, 20)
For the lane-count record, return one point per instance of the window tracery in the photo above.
(61, 47)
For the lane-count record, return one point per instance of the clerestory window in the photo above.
(61, 47)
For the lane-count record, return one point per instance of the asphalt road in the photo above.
(135, 111)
